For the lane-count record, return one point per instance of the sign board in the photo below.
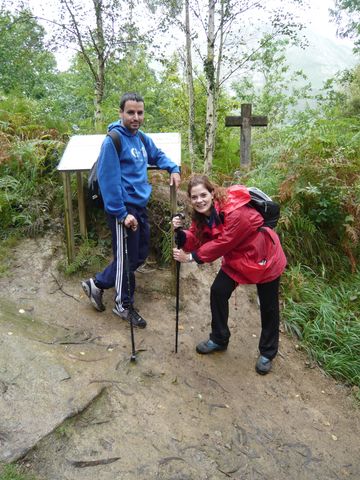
(82, 150)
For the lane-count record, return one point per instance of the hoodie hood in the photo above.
(117, 125)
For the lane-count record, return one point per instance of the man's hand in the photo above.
(175, 179)
(131, 222)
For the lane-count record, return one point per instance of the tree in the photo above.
(100, 31)
(26, 65)
(190, 87)
(347, 16)
(279, 90)
(232, 39)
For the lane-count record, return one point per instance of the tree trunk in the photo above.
(209, 68)
(99, 44)
(190, 86)
(98, 98)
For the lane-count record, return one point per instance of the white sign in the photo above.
(82, 150)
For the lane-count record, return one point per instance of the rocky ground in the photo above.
(73, 407)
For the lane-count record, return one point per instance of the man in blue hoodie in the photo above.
(125, 191)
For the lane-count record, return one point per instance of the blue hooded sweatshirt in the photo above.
(123, 179)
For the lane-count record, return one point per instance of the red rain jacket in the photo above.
(249, 255)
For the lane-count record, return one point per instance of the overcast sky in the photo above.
(316, 16)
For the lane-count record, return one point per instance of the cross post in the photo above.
(245, 122)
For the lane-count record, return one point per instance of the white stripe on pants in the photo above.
(119, 264)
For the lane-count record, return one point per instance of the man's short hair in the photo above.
(134, 97)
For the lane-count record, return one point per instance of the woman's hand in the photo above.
(180, 256)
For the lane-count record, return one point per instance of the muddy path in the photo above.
(168, 416)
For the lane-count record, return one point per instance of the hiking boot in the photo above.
(94, 293)
(208, 346)
(130, 314)
(263, 365)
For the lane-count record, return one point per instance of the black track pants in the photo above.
(115, 275)
(220, 294)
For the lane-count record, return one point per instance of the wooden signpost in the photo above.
(245, 122)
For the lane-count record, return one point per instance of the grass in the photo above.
(325, 319)
(12, 472)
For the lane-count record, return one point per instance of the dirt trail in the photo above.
(182, 416)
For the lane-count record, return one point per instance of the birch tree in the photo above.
(190, 87)
(233, 36)
(346, 14)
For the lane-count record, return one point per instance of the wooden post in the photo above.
(69, 217)
(81, 204)
(245, 134)
(245, 122)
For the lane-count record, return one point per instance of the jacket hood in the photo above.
(117, 125)
(238, 195)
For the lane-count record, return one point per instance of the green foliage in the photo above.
(347, 16)
(321, 185)
(160, 219)
(26, 66)
(325, 318)
(30, 185)
(341, 96)
(90, 257)
(278, 90)
(13, 472)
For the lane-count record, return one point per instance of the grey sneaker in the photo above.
(133, 315)
(208, 346)
(121, 313)
(263, 365)
(94, 293)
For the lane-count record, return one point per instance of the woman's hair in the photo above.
(219, 193)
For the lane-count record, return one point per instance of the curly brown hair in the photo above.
(220, 196)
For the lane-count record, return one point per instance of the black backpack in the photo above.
(269, 210)
(94, 193)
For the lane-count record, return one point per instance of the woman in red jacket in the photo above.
(223, 225)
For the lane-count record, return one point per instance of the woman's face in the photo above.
(201, 199)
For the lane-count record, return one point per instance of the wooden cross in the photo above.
(245, 122)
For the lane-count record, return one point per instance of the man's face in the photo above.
(133, 115)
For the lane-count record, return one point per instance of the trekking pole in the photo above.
(127, 267)
(177, 286)
(177, 305)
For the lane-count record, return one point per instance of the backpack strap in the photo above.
(116, 138)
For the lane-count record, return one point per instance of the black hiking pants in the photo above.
(268, 293)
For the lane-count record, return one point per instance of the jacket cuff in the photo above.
(180, 238)
(121, 218)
